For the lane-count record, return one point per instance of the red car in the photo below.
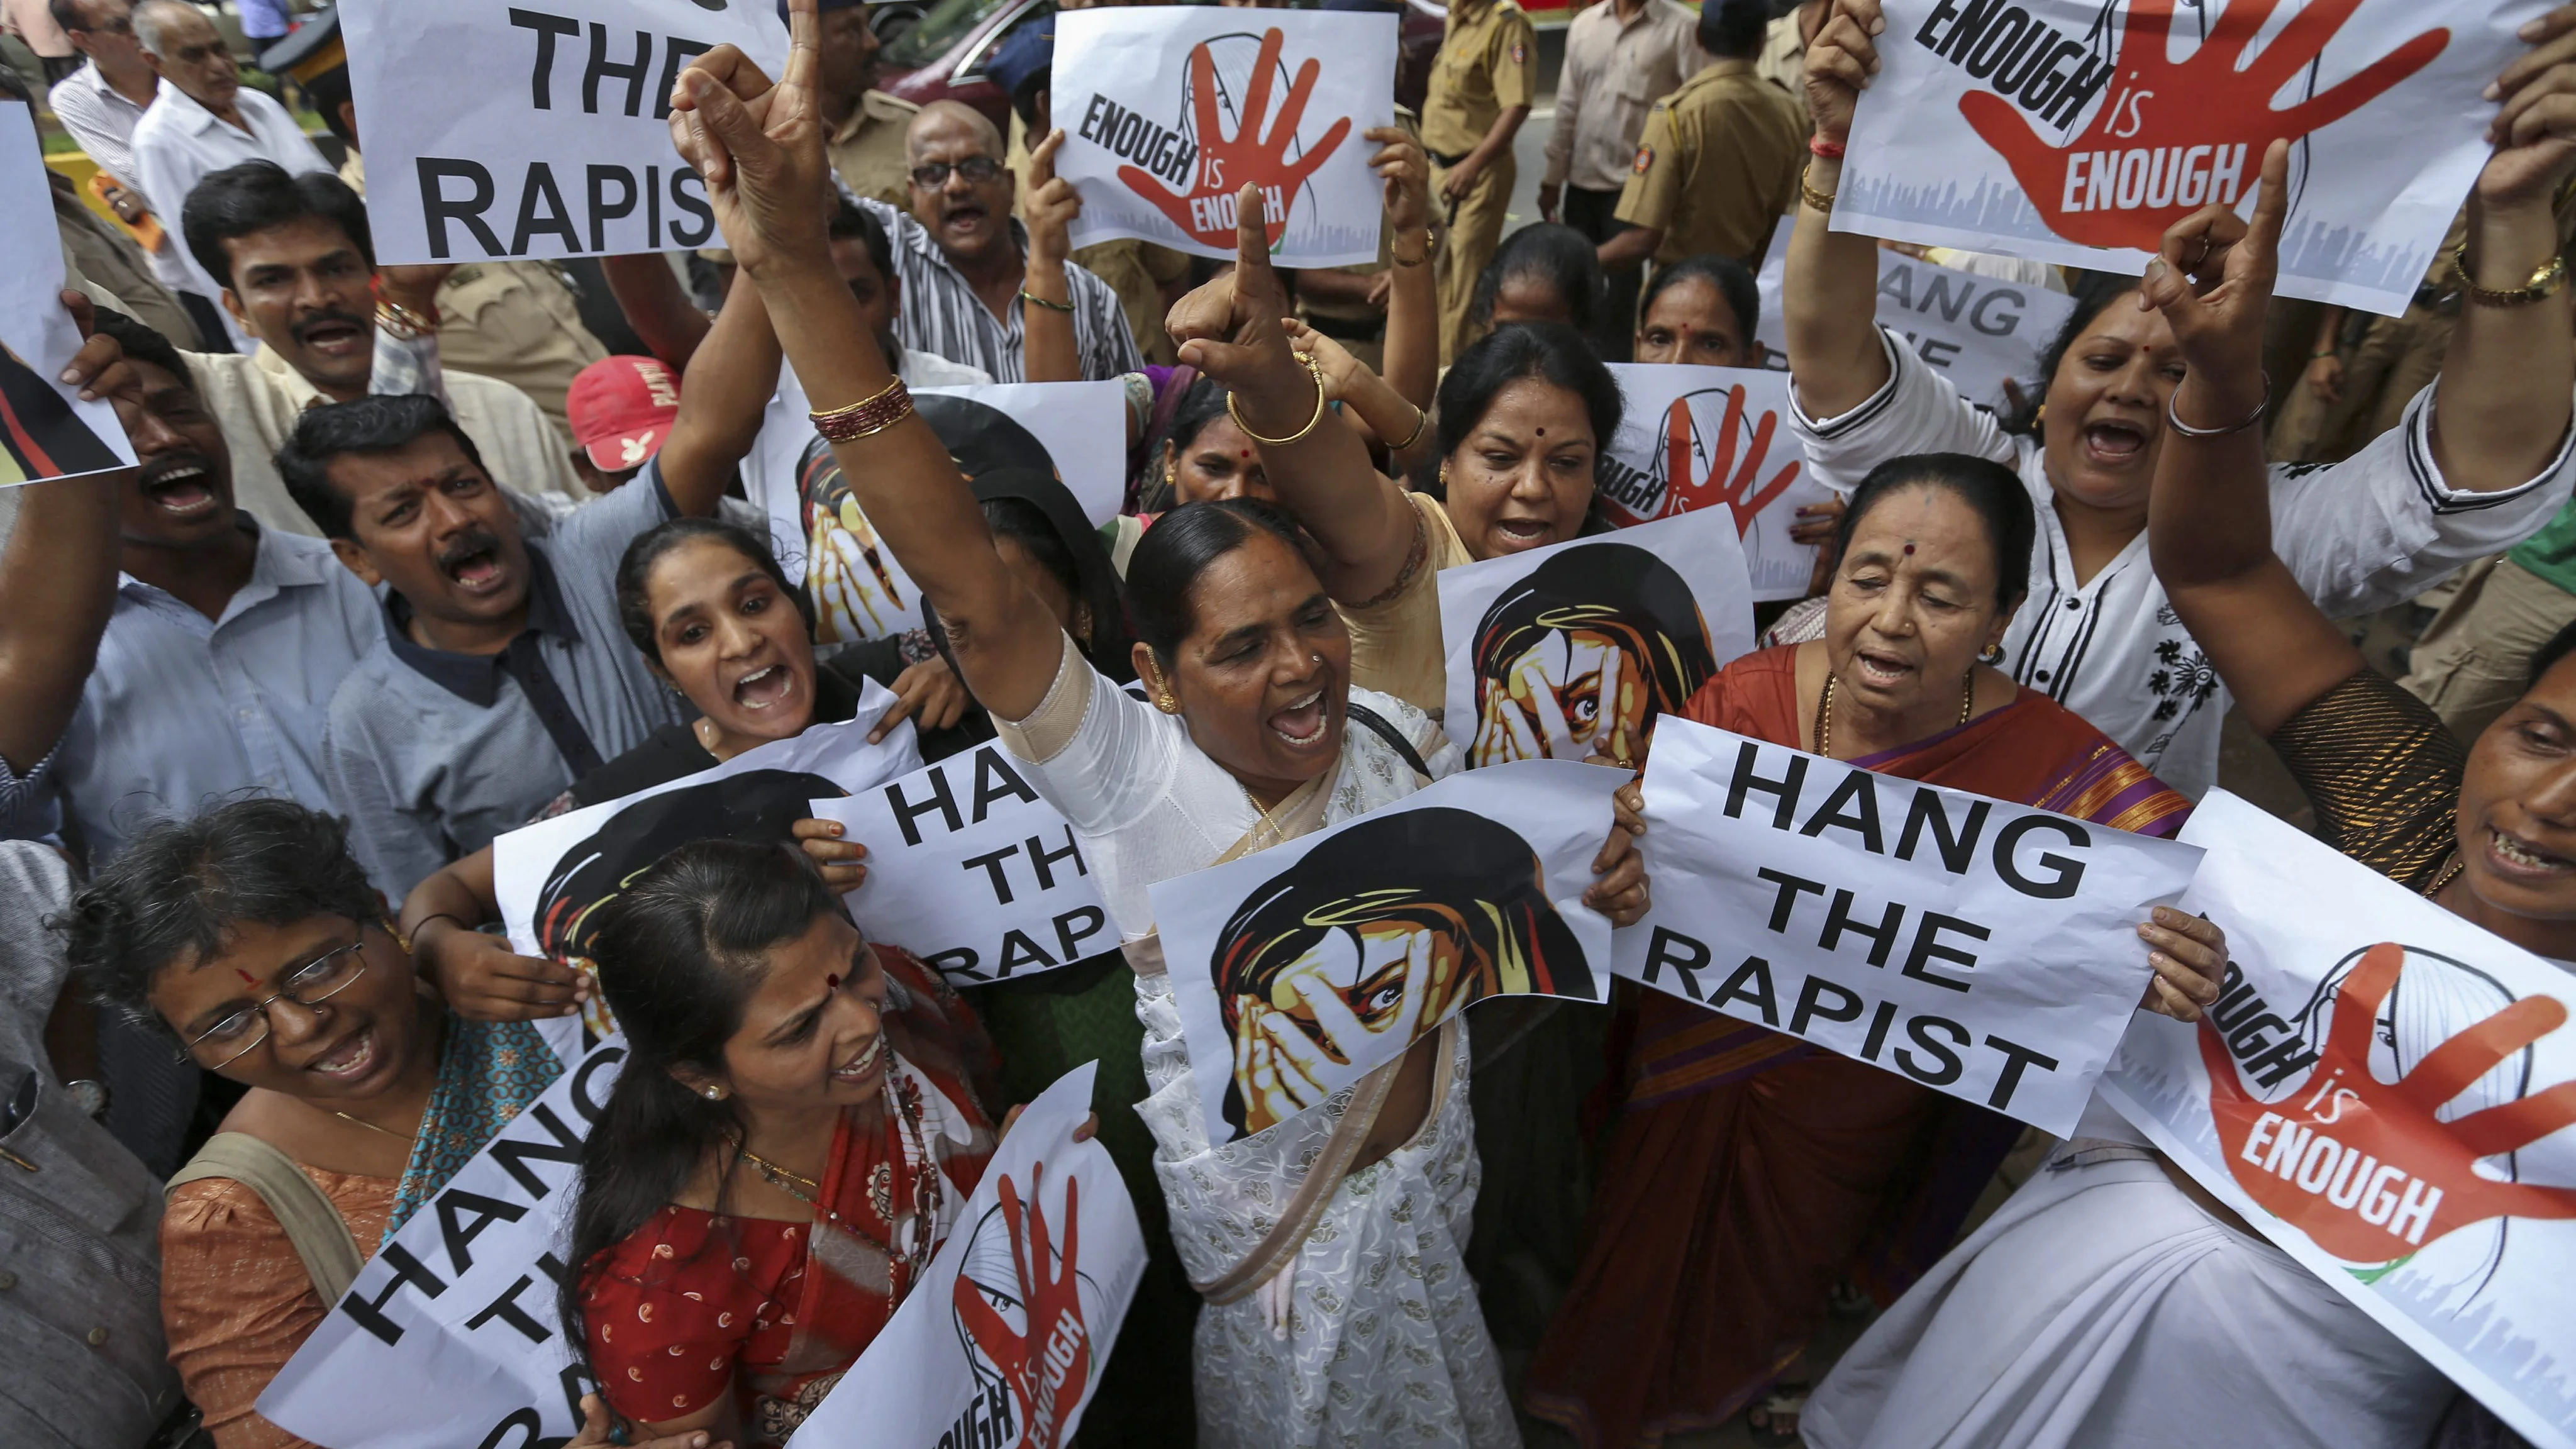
(936, 50)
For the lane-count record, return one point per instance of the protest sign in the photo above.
(1001, 1343)
(2076, 131)
(1693, 438)
(1076, 431)
(552, 877)
(1300, 968)
(1980, 332)
(1977, 946)
(46, 431)
(1576, 649)
(564, 147)
(449, 1334)
(1168, 113)
(972, 872)
(2383, 1091)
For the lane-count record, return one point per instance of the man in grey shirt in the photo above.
(80, 1218)
(503, 673)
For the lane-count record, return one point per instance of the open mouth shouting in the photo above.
(2515, 858)
(965, 219)
(352, 1061)
(1880, 669)
(861, 1068)
(2114, 443)
(1516, 534)
(336, 335)
(765, 688)
(1301, 725)
(182, 486)
(474, 563)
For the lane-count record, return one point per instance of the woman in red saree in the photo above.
(1748, 1173)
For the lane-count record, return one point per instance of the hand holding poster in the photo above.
(449, 1334)
(1981, 332)
(564, 150)
(46, 431)
(2384, 1091)
(971, 871)
(1984, 948)
(1169, 112)
(2076, 131)
(1301, 968)
(1001, 1343)
(1694, 438)
(1576, 649)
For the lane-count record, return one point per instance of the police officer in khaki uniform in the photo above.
(865, 141)
(1719, 164)
(513, 321)
(1481, 85)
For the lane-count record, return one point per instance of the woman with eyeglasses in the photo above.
(252, 941)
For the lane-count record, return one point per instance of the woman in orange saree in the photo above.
(1748, 1173)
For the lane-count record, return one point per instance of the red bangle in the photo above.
(1830, 150)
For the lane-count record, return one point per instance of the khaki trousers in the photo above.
(1475, 227)
(2474, 659)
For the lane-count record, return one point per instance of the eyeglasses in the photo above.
(931, 175)
(310, 984)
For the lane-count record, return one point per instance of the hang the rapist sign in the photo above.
(1979, 332)
(1001, 1343)
(2076, 131)
(1576, 649)
(1300, 969)
(496, 129)
(971, 871)
(1986, 949)
(1168, 113)
(449, 1334)
(1715, 439)
(2385, 1092)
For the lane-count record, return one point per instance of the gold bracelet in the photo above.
(1821, 200)
(2543, 285)
(1417, 261)
(1313, 369)
(1421, 420)
(1028, 296)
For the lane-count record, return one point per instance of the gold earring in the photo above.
(1444, 474)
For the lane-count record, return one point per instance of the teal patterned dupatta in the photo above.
(488, 1073)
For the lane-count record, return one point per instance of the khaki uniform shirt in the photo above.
(1783, 60)
(1614, 71)
(867, 149)
(1488, 63)
(512, 321)
(1719, 165)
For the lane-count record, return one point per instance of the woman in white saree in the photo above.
(1328, 1247)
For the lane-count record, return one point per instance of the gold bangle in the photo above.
(1313, 369)
(1421, 420)
(1417, 261)
(1028, 296)
(2544, 283)
(1821, 200)
(865, 418)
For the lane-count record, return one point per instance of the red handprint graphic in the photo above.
(1226, 164)
(1737, 485)
(2362, 1166)
(2174, 137)
(1047, 1362)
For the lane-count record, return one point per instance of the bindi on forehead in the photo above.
(1909, 549)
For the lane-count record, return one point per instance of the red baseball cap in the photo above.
(621, 409)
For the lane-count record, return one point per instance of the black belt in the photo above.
(1445, 161)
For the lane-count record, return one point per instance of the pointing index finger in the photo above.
(804, 44)
(1251, 238)
(2271, 208)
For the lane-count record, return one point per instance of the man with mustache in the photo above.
(295, 260)
(157, 646)
(501, 671)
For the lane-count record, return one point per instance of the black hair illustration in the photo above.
(1628, 598)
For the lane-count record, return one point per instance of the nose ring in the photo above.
(1319, 658)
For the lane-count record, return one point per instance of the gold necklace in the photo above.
(372, 1127)
(781, 1178)
(1824, 726)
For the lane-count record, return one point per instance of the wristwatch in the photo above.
(91, 1096)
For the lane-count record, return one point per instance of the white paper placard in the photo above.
(1979, 332)
(1003, 1340)
(1576, 649)
(2076, 131)
(1168, 112)
(46, 431)
(971, 871)
(449, 1334)
(1982, 948)
(1695, 438)
(1075, 430)
(495, 129)
(550, 878)
(1385, 926)
(2307, 1100)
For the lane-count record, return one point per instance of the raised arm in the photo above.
(1829, 297)
(2501, 409)
(1229, 329)
(723, 395)
(2209, 519)
(760, 147)
(1051, 351)
(1412, 354)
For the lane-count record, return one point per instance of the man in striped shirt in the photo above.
(968, 269)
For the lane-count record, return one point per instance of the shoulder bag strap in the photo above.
(1384, 728)
(314, 1227)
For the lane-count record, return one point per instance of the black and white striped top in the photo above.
(942, 314)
